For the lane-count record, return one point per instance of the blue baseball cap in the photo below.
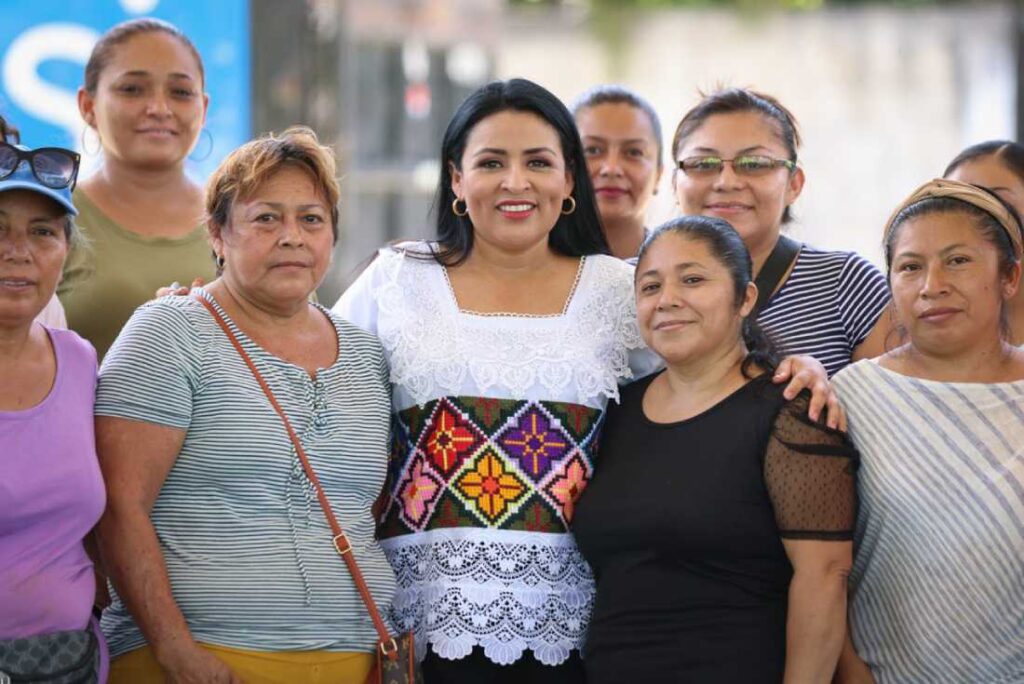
(24, 179)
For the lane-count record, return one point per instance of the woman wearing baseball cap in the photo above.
(50, 482)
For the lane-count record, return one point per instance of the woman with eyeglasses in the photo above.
(736, 158)
(621, 136)
(142, 215)
(937, 586)
(51, 490)
(999, 166)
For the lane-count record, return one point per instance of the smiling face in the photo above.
(513, 179)
(946, 283)
(686, 301)
(149, 105)
(622, 159)
(752, 204)
(278, 243)
(32, 252)
(990, 172)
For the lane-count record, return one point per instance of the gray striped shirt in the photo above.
(247, 548)
(937, 590)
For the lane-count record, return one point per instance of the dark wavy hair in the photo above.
(576, 234)
(726, 245)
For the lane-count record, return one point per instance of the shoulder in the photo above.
(353, 334)
(612, 270)
(172, 320)
(70, 344)
(841, 262)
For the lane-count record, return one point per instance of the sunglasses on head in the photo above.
(747, 165)
(54, 167)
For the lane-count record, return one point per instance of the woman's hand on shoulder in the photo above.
(807, 373)
(195, 665)
(178, 289)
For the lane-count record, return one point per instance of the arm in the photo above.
(135, 458)
(874, 344)
(806, 372)
(809, 472)
(816, 622)
(852, 670)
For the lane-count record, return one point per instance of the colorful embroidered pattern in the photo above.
(481, 462)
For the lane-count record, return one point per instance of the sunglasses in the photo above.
(54, 167)
(747, 165)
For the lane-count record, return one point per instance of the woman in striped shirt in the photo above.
(736, 158)
(937, 588)
(220, 556)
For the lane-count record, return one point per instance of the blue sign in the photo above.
(44, 45)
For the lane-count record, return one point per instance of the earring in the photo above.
(209, 147)
(455, 207)
(220, 262)
(572, 205)
(85, 146)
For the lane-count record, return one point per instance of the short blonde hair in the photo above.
(252, 164)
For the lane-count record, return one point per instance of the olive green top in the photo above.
(113, 270)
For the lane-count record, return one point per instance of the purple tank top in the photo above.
(51, 495)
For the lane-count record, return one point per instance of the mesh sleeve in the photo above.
(810, 473)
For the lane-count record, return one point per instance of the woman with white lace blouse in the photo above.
(505, 337)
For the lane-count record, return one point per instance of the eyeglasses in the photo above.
(54, 167)
(747, 165)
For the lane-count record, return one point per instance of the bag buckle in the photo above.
(341, 544)
(383, 647)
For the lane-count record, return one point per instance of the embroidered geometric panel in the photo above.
(496, 463)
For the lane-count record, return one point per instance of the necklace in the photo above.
(513, 314)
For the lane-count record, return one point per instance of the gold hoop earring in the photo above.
(572, 205)
(85, 146)
(455, 207)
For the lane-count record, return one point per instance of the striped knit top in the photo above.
(246, 545)
(937, 589)
(828, 305)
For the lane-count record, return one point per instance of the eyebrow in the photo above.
(498, 150)
(745, 150)
(945, 250)
(281, 206)
(135, 73)
(677, 268)
(623, 141)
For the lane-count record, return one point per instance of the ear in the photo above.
(749, 300)
(795, 185)
(456, 179)
(85, 108)
(1011, 282)
(216, 233)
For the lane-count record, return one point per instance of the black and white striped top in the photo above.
(828, 305)
(247, 548)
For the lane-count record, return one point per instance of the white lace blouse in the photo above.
(497, 418)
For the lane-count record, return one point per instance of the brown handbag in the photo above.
(396, 656)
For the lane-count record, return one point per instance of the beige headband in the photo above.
(965, 192)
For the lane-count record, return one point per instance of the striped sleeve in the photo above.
(862, 296)
(153, 370)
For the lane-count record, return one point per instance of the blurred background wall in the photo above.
(886, 93)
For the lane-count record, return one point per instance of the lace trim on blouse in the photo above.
(432, 346)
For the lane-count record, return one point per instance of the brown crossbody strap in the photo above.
(341, 543)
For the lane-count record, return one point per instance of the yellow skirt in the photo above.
(255, 667)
